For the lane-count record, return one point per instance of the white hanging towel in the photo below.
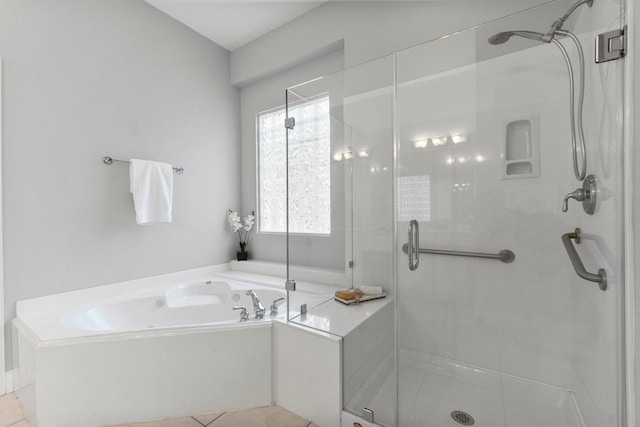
(151, 185)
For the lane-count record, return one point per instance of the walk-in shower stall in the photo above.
(457, 181)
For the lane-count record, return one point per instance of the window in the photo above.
(414, 198)
(309, 169)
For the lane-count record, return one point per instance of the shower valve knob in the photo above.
(586, 195)
(580, 195)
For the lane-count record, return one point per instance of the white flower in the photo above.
(248, 222)
(234, 221)
(237, 227)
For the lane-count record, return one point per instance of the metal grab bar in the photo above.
(504, 255)
(108, 160)
(578, 266)
(413, 245)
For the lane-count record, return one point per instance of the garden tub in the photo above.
(152, 348)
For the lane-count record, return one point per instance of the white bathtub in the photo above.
(146, 349)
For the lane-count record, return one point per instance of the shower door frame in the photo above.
(3, 377)
(630, 16)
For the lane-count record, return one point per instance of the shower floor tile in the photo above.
(432, 387)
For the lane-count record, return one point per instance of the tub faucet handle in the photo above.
(275, 304)
(244, 314)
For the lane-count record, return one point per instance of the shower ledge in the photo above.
(335, 318)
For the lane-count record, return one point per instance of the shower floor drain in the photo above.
(462, 418)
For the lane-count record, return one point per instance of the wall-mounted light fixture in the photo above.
(348, 155)
(459, 138)
(439, 140)
(421, 143)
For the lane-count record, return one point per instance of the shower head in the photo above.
(501, 38)
(558, 23)
(546, 38)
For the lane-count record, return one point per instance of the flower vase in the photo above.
(242, 255)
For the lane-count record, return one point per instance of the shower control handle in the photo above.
(413, 245)
(578, 194)
(586, 195)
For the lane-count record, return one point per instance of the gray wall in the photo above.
(368, 29)
(89, 78)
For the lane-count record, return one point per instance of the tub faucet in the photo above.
(257, 305)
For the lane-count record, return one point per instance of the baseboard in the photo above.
(9, 381)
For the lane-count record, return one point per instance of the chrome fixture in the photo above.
(244, 314)
(367, 415)
(413, 245)
(503, 37)
(600, 278)
(290, 285)
(587, 195)
(258, 308)
(108, 160)
(611, 45)
(275, 304)
(413, 250)
(576, 118)
(557, 25)
(504, 255)
(463, 418)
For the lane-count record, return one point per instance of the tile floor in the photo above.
(267, 416)
(12, 415)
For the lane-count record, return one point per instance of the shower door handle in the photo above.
(413, 245)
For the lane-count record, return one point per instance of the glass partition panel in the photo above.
(360, 243)
(484, 164)
(318, 199)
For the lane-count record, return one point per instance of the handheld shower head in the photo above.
(503, 37)
(500, 38)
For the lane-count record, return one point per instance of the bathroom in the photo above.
(86, 79)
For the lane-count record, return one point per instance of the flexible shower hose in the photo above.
(579, 170)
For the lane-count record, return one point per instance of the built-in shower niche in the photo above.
(521, 148)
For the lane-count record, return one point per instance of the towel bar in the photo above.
(108, 160)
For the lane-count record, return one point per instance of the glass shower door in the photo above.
(360, 108)
(483, 165)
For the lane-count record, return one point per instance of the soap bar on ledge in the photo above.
(355, 296)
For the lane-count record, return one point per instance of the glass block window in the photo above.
(414, 198)
(309, 169)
